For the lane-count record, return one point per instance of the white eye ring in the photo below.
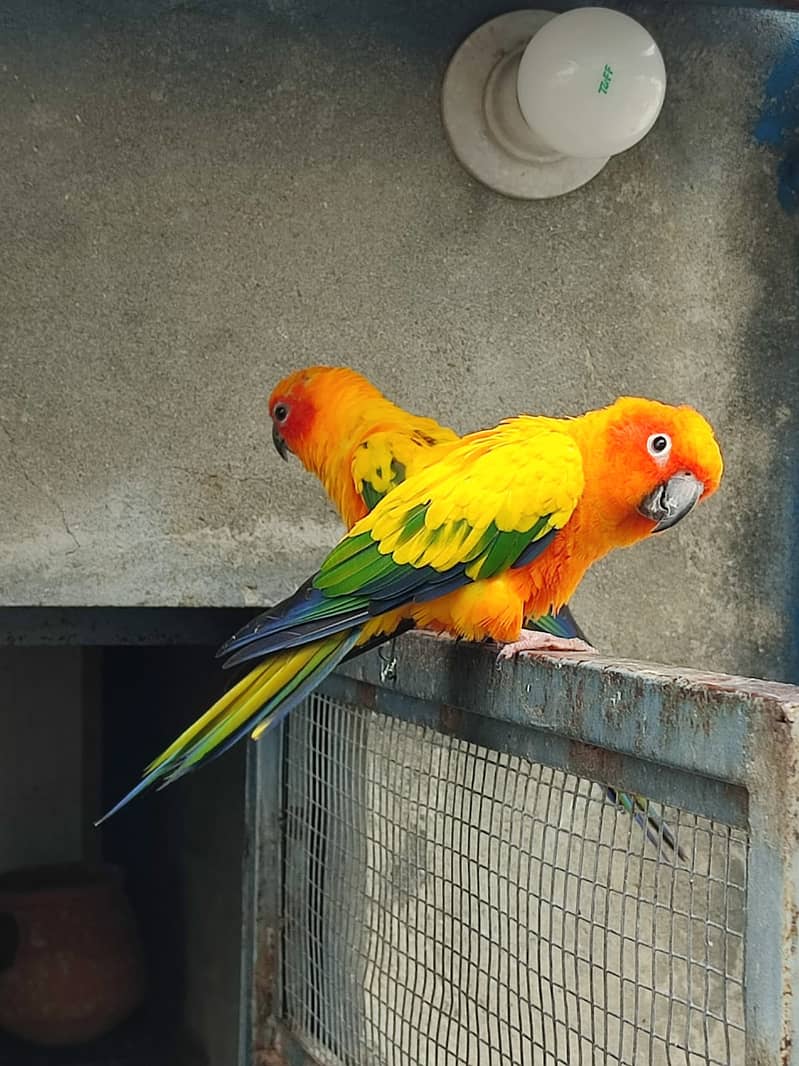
(659, 445)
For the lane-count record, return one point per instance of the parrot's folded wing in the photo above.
(388, 456)
(480, 509)
(493, 502)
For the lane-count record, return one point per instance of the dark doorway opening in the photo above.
(91, 695)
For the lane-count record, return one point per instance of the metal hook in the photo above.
(388, 663)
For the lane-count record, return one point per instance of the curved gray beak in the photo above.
(280, 445)
(671, 501)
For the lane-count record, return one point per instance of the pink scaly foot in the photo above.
(532, 640)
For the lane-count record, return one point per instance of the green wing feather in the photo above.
(390, 455)
(473, 514)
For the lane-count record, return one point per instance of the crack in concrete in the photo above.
(41, 489)
(239, 479)
(592, 370)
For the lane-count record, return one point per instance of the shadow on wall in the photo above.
(771, 381)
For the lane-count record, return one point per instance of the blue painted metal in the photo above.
(721, 746)
(702, 795)
(261, 984)
(694, 722)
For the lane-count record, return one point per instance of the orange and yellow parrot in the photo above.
(500, 528)
(356, 441)
(360, 446)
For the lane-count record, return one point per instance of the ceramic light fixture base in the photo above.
(483, 123)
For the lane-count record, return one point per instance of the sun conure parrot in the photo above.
(501, 528)
(360, 446)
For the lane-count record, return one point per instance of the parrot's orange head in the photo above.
(305, 406)
(657, 462)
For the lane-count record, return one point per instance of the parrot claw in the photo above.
(531, 640)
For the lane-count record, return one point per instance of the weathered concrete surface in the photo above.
(198, 197)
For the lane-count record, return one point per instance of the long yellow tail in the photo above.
(255, 704)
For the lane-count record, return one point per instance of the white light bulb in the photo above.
(534, 104)
(591, 83)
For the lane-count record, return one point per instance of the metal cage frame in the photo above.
(722, 747)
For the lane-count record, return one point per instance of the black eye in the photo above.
(659, 444)
(280, 412)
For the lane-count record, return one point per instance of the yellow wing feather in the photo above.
(510, 477)
(391, 453)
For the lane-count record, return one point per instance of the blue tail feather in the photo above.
(657, 831)
(281, 704)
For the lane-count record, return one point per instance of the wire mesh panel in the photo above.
(452, 905)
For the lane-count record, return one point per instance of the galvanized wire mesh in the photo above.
(450, 905)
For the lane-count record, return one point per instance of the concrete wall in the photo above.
(204, 195)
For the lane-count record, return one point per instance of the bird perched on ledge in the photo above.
(361, 446)
(502, 527)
